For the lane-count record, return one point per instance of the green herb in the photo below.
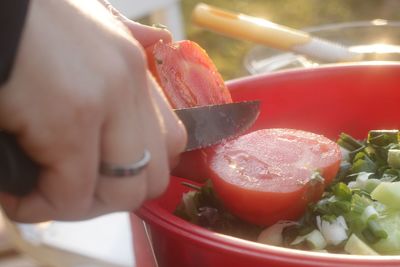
(202, 207)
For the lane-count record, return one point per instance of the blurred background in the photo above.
(228, 54)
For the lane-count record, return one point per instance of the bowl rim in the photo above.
(321, 68)
(153, 214)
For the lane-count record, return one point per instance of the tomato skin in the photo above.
(188, 78)
(265, 176)
(194, 165)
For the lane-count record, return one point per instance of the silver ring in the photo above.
(114, 170)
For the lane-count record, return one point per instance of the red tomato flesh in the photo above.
(188, 78)
(265, 176)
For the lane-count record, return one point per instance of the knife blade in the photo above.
(205, 125)
(208, 125)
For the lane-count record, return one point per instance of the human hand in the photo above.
(147, 36)
(79, 94)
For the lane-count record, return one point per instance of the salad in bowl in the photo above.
(313, 182)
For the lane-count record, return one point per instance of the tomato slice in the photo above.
(266, 176)
(188, 78)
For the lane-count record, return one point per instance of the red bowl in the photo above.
(327, 100)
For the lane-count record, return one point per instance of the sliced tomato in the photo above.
(189, 78)
(267, 175)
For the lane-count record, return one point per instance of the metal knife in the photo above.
(206, 125)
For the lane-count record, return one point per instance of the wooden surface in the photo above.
(9, 255)
(15, 251)
(16, 259)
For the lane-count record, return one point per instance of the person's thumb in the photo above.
(145, 35)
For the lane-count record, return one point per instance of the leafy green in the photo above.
(202, 207)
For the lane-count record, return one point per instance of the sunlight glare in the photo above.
(379, 48)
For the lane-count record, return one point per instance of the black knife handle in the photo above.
(18, 173)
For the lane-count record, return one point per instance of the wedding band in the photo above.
(115, 170)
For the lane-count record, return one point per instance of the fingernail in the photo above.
(160, 26)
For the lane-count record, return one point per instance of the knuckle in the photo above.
(84, 107)
(128, 77)
(120, 197)
(135, 61)
(129, 58)
(132, 204)
(160, 188)
(135, 53)
(74, 198)
(178, 139)
(73, 209)
(158, 179)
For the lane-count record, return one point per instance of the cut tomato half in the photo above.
(273, 174)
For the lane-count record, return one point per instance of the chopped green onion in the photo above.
(345, 154)
(316, 178)
(348, 142)
(390, 175)
(393, 159)
(388, 193)
(273, 234)
(334, 232)
(188, 200)
(376, 229)
(371, 184)
(369, 213)
(362, 179)
(369, 236)
(315, 240)
(332, 207)
(383, 137)
(363, 182)
(363, 163)
(342, 191)
(356, 246)
(191, 186)
(359, 203)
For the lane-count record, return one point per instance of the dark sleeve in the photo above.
(12, 18)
